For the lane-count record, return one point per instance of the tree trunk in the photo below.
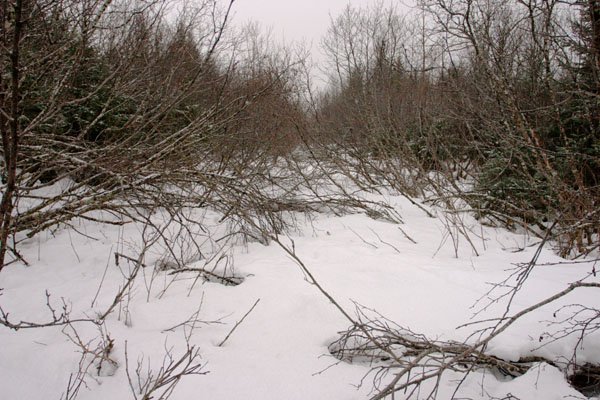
(594, 13)
(9, 123)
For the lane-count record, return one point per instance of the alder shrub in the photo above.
(111, 110)
(502, 96)
(491, 104)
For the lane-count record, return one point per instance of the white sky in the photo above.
(292, 19)
(297, 20)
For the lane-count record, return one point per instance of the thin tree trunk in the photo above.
(594, 13)
(10, 128)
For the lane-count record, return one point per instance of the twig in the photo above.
(238, 323)
(233, 281)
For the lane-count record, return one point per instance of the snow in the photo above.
(541, 382)
(280, 350)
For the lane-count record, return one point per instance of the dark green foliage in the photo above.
(580, 145)
(512, 186)
(94, 111)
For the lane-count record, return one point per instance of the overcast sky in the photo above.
(297, 20)
(292, 19)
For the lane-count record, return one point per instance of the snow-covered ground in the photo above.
(280, 350)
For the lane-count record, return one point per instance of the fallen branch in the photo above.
(239, 323)
(232, 281)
